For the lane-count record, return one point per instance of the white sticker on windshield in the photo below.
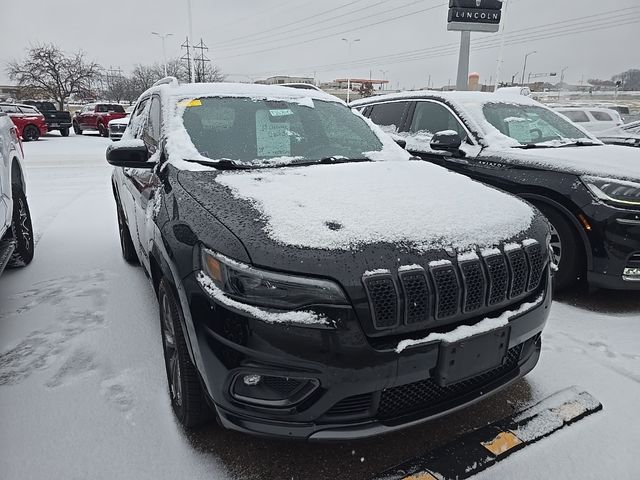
(281, 112)
(272, 138)
(519, 129)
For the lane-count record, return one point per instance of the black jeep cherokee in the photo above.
(590, 192)
(313, 282)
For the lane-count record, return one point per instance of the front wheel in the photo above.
(566, 249)
(22, 229)
(30, 133)
(64, 132)
(187, 396)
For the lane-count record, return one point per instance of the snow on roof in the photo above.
(369, 203)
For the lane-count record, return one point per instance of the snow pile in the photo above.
(300, 317)
(420, 206)
(466, 331)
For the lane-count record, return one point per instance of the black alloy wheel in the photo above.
(30, 133)
(64, 132)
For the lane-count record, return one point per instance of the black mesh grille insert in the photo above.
(447, 290)
(383, 299)
(634, 261)
(356, 405)
(519, 272)
(475, 285)
(416, 296)
(536, 262)
(283, 386)
(499, 278)
(416, 396)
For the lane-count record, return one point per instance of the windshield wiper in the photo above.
(332, 160)
(222, 164)
(571, 143)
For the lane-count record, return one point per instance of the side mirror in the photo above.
(447, 140)
(129, 153)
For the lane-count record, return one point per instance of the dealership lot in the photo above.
(83, 387)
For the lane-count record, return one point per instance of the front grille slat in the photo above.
(475, 285)
(519, 272)
(447, 290)
(416, 296)
(536, 264)
(498, 278)
(413, 397)
(383, 298)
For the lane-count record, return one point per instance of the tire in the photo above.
(30, 133)
(103, 130)
(64, 132)
(76, 128)
(567, 249)
(22, 229)
(188, 399)
(126, 243)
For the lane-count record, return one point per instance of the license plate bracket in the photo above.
(461, 360)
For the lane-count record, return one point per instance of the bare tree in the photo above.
(50, 72)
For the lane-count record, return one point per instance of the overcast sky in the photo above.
(250, 39)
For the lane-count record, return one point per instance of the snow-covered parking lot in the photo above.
(83, 387)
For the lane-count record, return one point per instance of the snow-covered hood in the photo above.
(121, 121)
(603, 160)
(413, 205)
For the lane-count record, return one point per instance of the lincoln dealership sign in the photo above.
(475, 15)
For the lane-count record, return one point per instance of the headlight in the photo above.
(613, 191)
(269, 289)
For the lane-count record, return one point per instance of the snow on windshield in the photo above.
(344, 206)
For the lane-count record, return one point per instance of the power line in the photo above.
(254, 36)
(288, 45)
(525, 34)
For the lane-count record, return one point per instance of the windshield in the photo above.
(266, 132)
(531, 124)
(46, 106)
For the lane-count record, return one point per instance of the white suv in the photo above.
(16, 231)
(594, 120)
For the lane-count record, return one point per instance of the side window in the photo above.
(430, 118)
(137, 118)
(389, 115)
(29, 110)
(575, 116)
(602, 116)
(10, 109)
(152, 128)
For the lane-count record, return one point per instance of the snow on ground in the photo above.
(83, 388)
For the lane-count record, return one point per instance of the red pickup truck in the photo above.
(96, 116)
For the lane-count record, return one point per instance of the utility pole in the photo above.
(186, 45)
(462, 82)
(525, 65)
(502, 42)
(384, 77)
(192, 73)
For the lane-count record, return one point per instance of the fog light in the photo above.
(272, 391)
(632, 274)
(251, 380)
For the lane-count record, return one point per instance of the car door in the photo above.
(144, 183)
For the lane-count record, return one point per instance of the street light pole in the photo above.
(349, 43)
(164, 51)
(524, 69)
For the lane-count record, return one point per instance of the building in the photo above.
(9, 91)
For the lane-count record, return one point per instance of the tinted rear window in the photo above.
(575, 115)
(602, 116)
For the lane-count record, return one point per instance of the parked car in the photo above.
(301, 86)
(16, 231)
(595, 120)
(28, 120)
(55, 119)
(96, 116)
(117, 127)
(589, 192)
(626, 135)
(313, 281)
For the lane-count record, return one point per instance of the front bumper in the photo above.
(615, 244)
(348, 369)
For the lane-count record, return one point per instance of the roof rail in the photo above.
(166, 81)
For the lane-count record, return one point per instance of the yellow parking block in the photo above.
(503, 442)
(420, 476)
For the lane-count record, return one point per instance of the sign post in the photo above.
(468, 16)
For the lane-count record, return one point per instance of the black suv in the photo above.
(313, 281)
(590, 192)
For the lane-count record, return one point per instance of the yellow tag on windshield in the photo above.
(190, 103)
